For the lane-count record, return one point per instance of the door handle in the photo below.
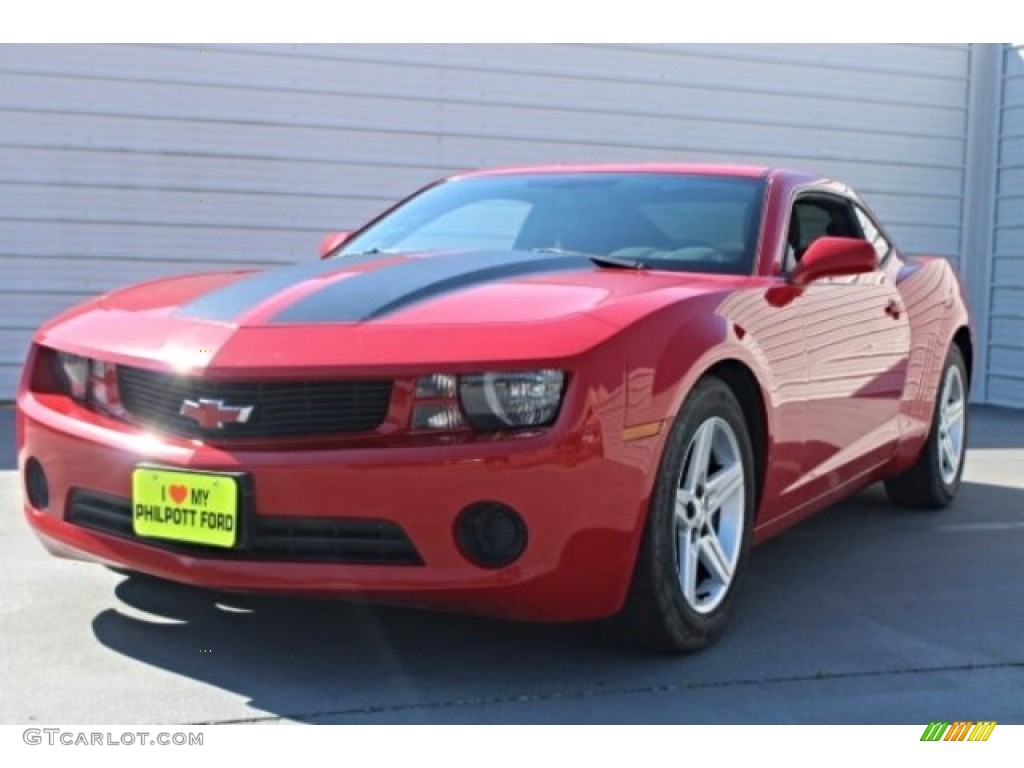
(894, 309)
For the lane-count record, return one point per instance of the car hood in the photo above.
(377, 309)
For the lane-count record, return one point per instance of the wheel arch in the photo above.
(652, 612)
(669, 353)
(962, 338)
(744, 384)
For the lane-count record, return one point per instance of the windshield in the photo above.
(662, 221)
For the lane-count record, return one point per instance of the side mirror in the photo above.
(332, 241)
(833, 256)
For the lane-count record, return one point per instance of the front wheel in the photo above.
(697, 539)
(934, 479)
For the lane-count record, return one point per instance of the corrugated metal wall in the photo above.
(1006, 342)
(120, 163)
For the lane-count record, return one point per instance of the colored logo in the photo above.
(178, 492)
(214, 414)
(961, 730)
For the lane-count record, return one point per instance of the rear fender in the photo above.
(935, 305)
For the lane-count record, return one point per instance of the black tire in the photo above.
(931, 483)
(658, 614)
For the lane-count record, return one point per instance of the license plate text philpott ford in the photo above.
(188, 507)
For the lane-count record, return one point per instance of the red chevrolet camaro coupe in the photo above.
(553, 394)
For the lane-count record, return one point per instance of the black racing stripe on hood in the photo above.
(369, 295)
(228, 303)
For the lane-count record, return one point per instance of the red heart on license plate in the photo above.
(178, 492)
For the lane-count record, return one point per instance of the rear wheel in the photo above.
(934, 479)
(697, 538)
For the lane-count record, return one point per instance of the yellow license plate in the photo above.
(191, 507)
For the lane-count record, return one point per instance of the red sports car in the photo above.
(553, 394)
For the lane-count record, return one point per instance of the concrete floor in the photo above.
(864, 614)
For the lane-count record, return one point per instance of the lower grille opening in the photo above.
(283, 539)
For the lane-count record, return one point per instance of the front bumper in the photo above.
(581, 492)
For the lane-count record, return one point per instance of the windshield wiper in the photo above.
(616, 262)
(371, 252)
(600, 259)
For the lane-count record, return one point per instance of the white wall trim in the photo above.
(981, 150)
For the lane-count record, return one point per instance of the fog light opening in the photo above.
(490, 534)
(37, 489)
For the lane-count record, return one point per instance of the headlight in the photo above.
(511, 400)
(103, 388)
(74, 372)
(93, 383)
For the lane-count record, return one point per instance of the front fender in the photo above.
(668, 352)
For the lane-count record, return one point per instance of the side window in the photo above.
(813, 217)
(882, 246)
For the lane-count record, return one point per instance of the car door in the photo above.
(856, 341)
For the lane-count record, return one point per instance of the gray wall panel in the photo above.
(1006, 339)
(106, 152)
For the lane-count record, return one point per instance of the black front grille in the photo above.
(283, 539)
(279, 409)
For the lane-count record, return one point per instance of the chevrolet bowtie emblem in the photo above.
(214, 414)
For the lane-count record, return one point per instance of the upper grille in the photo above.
(279, 409)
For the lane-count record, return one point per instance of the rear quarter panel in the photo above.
(935, 305)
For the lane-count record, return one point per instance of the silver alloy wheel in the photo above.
(950, 445)
(709, 515)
